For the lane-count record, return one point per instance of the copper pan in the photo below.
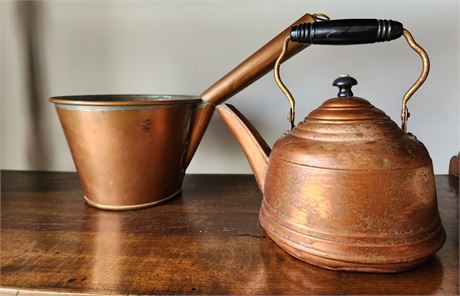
(131, 151)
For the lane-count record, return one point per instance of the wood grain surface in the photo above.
(206, 241)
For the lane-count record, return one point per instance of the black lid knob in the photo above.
(344, 83)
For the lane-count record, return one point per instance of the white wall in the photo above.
(181, 47)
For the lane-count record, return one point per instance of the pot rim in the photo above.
(124, 99)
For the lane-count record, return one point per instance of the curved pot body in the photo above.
(129, 150)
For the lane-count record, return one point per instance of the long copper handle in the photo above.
(240, 77)
(254, 67)
(404, 110)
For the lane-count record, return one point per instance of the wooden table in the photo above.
(208, 241)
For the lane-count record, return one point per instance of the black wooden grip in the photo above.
(347, 31)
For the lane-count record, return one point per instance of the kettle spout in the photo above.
(254, 146)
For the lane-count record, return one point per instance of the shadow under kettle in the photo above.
(346, 189)
(131, 151)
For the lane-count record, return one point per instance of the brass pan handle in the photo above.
(352, 31)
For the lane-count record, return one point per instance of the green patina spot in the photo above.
(387, 147)
(386, 164)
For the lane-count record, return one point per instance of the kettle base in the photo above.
(349, 266)
(359, 256)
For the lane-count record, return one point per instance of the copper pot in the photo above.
(346, 188)
(131, 151)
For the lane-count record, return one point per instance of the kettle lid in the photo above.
(346, 107)
(349, 133)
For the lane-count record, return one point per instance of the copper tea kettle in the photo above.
(346, 188)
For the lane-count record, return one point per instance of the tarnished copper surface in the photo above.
(346, 189)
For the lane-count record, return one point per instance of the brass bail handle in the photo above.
(421, 79)
(279, 82)
(291, 117)
(352, 31)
